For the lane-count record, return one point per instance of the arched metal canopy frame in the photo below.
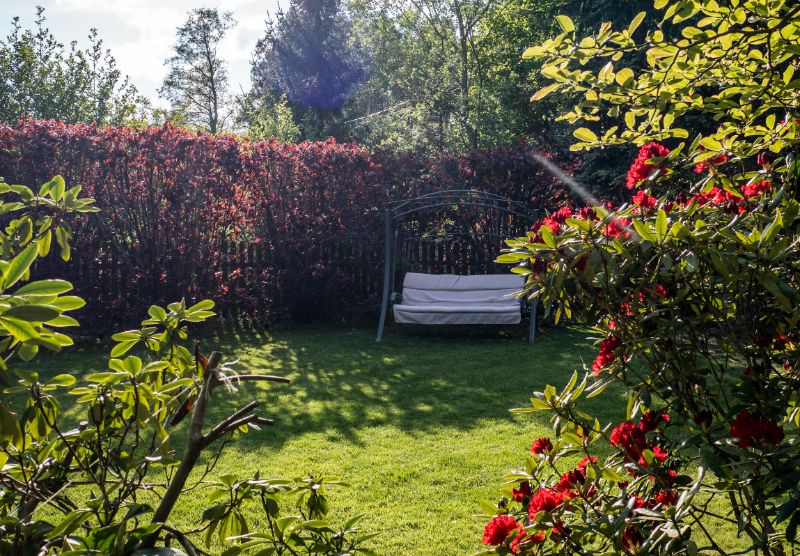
(398, 210)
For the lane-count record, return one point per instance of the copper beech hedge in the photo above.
(268, 229)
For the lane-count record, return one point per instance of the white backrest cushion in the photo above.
(445, 289)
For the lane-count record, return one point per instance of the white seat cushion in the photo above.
(410, 314)
(452, 299)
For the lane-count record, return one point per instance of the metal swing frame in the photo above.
(397, 211)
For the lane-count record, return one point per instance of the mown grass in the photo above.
(418, 424)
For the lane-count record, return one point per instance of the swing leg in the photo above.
(532, 330)
(387, 273)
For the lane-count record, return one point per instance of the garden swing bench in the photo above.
(452, 299)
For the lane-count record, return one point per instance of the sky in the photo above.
(140, 33)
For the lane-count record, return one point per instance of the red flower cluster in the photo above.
(619, 227)
(541, 446)
(719, 197)
(728, 201)
(545, 500)
(554, 221)
(651, 420)
(708, 163)
(753, 430)
(667, 497)
(631, 438)
(755, 189)
(643, 201)
(607, 354)
(640, 170)
(523, 492)
(572, 480)
(499, 528)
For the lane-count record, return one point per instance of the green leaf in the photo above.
(32, 312)
(623, 76)
(68, 303)
(543, 92)
(637, 20)
(203, 305)
(62, 380)
(20, 265)
(585, 134)
(644, 231)
(157, 313)
(565, 23)
(45, 287)
(533, 52)
(661, 224)
(56, 188)
(123, 347)
(20, 329)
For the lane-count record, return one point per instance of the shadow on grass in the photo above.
(343, 381)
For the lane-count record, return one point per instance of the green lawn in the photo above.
(418, 424)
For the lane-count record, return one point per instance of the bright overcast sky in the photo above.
(140, 33)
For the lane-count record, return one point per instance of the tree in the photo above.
(305, 55)
(426, 73)
(197, 80)
(692, 289)
(41, 78)
(264, 117)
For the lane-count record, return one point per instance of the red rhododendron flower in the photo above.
(708, 163)
(753, 430)
(643, 201)
(607, 354)
(619, 227)
(640, 170)
(658, 453)
(631, 538)
(667, 497)
(545, 500)
(524, 491)
(554, 221)
(499, 528)
(651, 419)
(587, 213)
(541, 446)
(586, 462)
(570, 480)
(630, 439)
(729, 202)
(756, 188)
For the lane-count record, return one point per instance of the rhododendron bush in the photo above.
(76, 483)
(254, 225)
(692, 290)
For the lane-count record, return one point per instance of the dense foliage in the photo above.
(309, 215)
(692, 288)
(448, 76)
(41, 78)
(121, 453)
